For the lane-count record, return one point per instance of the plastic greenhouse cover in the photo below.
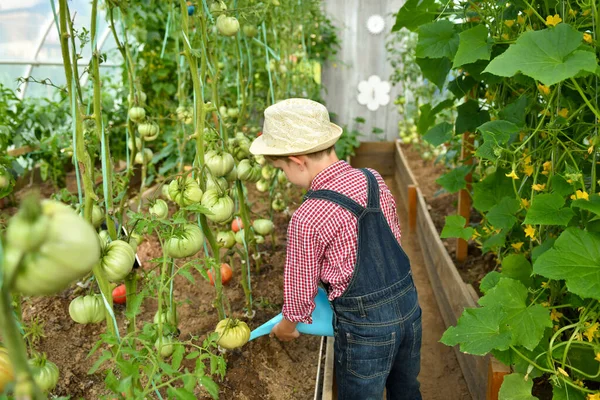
(30, 47)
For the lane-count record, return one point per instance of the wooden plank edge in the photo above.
(402, 160)
(328, 374)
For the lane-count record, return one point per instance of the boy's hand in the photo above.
(285, 331)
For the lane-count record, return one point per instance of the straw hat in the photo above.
(295, 127)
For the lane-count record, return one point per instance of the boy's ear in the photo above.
(300, 160)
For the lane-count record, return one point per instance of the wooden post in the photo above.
(412, 207)
(496, 372)
(464, 196)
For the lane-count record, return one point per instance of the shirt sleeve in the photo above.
(388, 205)
(304, 257)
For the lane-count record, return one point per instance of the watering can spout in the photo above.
(322, 317)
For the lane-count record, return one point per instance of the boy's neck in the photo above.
(315, 167)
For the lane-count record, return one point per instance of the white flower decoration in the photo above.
(374, 92)
(375, 24)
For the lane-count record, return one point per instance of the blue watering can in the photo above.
(322, 317)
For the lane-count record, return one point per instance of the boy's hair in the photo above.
(314, 156)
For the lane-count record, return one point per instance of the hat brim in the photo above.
(259, 147)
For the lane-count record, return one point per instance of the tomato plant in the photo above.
(226, 274)
(119, 294)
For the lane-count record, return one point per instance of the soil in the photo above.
(262, 369)
(441, 204)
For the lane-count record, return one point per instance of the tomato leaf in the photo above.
(106, 355)
(437, 39)
(478, 331)
(526, 323)
(186, 274)
(177, 356)
(473, 45)
(516, 266)
(211, 387)
(415, 13)
(439, 134)
(455, 228)
(547, 209)
(515, 387)
(435, 69)
(192, 355)
(549, 56)
(593, 204)
(135, 302)
(180, 394)
(454, 180)
(502, 215)
(575, 257)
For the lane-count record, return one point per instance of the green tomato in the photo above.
(27, 233)
(268, 172)
(166, 318)
(141, 98)
(263, 226)
(165, 192)
(278, 204)
(227, 26)
(220, 206)
(165, 346)
(137, 114)
(250, 31)
(69, 250)
(134, 141)
(240, 236)
(104, 238)
(184, 244)
(149, 131)
(7, 374)
(261, 160)
(87, 309)
(233, 112)
(259, 239)
(281, 178)
(144, 156)
(262, 186)
(45, 374)
(226, 239)
(233, 175)
(221, 184)
(219, 164)
(185, 191)
(117, 260)
(160, 209)
(249, 171)
(233, 333)
(97, 216)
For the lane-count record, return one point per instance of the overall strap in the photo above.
(336, 198)
(372, 189)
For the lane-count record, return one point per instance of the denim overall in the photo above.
(377, 321)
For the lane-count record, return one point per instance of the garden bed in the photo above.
(263, 369)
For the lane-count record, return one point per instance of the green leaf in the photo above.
(177, 356)
(566, 392)
(439, 134)
(435, 69)
(515, 387)
(494, 242)
(106, 355)
(180, 394)
(211, 387)
(461, 85)
(526, 323)
(454, 180)
(427, 115)
(549, 56)
(547, 209)
(187, 275)
(575, 258)
(496, 134)
(473, 45)
(559, 185)
(455, 228)
(470, 117)
(516, 266)
(502, 215)
(487, 192)
(415, 13)
(478, 331)
(437, 39)
(541, 249)
(515, 112)
(489, 281)
(593, 204)
(135, 302)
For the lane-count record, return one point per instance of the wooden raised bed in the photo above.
(483, 375)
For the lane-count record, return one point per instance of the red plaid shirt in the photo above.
(323, 239)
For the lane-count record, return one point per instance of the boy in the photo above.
(345, 235)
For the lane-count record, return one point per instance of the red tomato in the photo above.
(259, 134)
(119, 294)
(226, 274)
(237, 224)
